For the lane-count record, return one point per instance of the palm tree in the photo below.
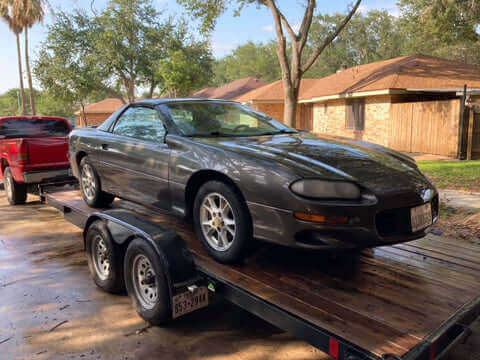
(6, 13)
(29, 12)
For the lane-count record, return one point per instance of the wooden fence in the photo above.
(429, 127)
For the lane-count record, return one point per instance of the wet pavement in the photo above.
(50, 309)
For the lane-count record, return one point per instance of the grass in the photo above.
(459, 175)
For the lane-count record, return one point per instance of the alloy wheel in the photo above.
(88, 182)
(217, 221)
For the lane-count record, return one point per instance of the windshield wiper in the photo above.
(211, 134)
(278, 132)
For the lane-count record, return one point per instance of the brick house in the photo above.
(97, 113)
(412, 103)
(231, 90)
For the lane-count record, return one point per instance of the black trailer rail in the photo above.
(305, 301)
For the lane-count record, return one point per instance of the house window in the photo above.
(355, 114)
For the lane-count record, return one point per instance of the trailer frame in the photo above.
(434, 347)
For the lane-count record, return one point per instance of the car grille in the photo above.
(397, 221)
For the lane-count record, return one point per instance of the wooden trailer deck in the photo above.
(390, 300)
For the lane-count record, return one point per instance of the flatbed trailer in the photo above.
(408, 301)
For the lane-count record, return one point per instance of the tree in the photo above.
(441, 28)
(293, 64)
(185, 69)
(47, 104)
(366, 38)
(116, 51)
(28, 13)
(250, 59)
(66, 74)
(6, 12)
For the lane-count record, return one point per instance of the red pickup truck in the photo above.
(33, 150)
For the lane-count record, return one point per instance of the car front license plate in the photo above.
(187, 302)
(421, 217)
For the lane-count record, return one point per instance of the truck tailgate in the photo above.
(47, 152)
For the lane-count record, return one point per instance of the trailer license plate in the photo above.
(187, 302)
(421, 217)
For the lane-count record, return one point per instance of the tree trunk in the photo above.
(82, 114)
(291, 99)
(29, 74)
(20, 71)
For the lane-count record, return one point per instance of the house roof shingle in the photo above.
(231, 90)
(408, 72)
(106, 106)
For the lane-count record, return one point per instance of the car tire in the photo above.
(16, 192)
(223, 244)
(105, 261)
(91, 188)
(146, 283)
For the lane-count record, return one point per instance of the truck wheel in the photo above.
(16, 192)
(222, 221)
(146, 283)
(104, 259)
(91, 187)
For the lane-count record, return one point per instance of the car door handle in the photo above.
(104, 146)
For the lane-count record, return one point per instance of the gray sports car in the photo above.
(238, 175)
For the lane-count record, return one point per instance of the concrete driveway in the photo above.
(50, 309)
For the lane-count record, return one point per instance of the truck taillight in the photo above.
(22, 154)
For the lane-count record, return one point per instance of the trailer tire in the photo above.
(91, 187)
(146, 282)
(16, 192)
(104, 259)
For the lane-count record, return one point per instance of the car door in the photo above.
(136, 157)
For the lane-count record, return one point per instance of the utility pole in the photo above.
(18, 99)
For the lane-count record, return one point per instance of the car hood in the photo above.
(378, 169)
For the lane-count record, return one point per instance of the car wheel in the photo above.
(91, 187)
(16, 192)
(104, 259)
(146, 283)
(222, 221)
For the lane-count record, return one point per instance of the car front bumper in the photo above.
(282, 227)
(46, 176)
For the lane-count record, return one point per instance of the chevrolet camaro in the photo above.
(240, 175)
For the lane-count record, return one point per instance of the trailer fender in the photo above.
(124, 226)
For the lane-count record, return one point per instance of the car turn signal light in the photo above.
(321, 218)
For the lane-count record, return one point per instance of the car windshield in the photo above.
(32, 128)
(222, 119)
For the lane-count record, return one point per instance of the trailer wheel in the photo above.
(146, 283)
(91, 187)
(104, 259)
(16, 192)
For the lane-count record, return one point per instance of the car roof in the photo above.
(31, 117)
(161, 101)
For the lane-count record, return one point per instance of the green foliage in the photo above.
(445, 28)
(208, 11)
(185, 69)
(47, 104)
(453, 174)
(115, 52)
(251, 59)
(366, 38)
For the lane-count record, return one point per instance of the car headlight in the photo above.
(322, 189)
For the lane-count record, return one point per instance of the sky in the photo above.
(253, 24)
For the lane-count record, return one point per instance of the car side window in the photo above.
(140, 123)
